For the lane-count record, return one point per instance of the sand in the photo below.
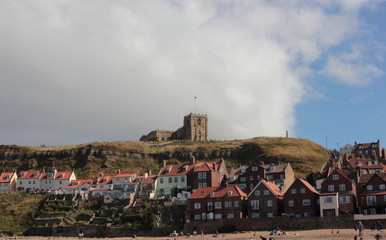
(306, 234)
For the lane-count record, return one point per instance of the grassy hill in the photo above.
(88, 160)
(17, 209)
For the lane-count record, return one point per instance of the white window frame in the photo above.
(291, 203)
(306, 202)
(269, 203)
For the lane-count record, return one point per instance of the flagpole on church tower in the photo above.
(194, 106)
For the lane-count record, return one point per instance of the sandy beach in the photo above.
(307, 234)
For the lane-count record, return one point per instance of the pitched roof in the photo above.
(63, 175)
(29, 175)
(277, 168)
(175, 170)
(219, 192)
(311, 188)
(365, 163)
(105, 180)
(271, 186)
(124, 175)
(150, 179)
(4, 176)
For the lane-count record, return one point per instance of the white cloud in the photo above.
(350, 68)
(75, 71)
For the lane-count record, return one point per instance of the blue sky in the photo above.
(83, 71)
(349, 112)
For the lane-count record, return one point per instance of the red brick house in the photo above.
(366, 165)
(371, 150)
(301, 199)
(372, 196)
(281, 174)
(248, 176)
(206, 174)
(214, 203)
(265, 200)
(337, 182)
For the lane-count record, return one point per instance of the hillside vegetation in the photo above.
(88, 160)
(17, 210)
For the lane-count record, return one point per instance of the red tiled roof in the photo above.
(63, 175)
(311, 188)
(29, 175)
(365, 162)
(105, 180)
(101, 190)
(373, 193)
(175, 170)
(132, 183)
(150, 179)
(274, 189)
(4, 175)
(219, 192)
(124, 175)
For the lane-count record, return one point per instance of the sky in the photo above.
(94, 70)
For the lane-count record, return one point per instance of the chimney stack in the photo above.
(164, 163)
(193, 160)
(119, 171)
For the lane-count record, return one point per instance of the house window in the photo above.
(257, 192)
(170, 179)
(266, 192)
(270, 177)
(369, 187)
(210, 206)
(330, 188)
(371, 200)
(302, 190)
(328, 200)
(335, 177)
(344, 199)
(199, 175)
(269, 203)
(204, 184)
(236, 203)
(342, 187)
(242, 186)
(182, 179)
(293, 191)
(204, 175)
(29, 182)
(197, 206)
(217, 205)
(203, 216)
(254, 168)
(243, 179)
(217, 216)
(197, 217)
(269, 215)
(291, 203)
(21, 182)
(161, 180)
(306, 202)
(230, 215)
(199, 185)
(228, 204)
(255, 205)
(175, 179)
(251, 186)
(381, 186)
(255, 215)
(258, 177)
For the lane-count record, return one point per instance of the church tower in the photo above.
(195, 127)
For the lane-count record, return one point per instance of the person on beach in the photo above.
(361, 229)
(378, 236)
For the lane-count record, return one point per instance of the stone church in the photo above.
(195, 128)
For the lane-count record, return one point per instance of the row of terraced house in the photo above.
(353, 183)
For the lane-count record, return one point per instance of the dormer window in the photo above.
(22, 175)
(272, 168)
(255, 168)
(373, 146)
(335, 177)
(7, 177)
(369, 187)
(212, 194)
(61, 176)
(229, 193)
(35, 175)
